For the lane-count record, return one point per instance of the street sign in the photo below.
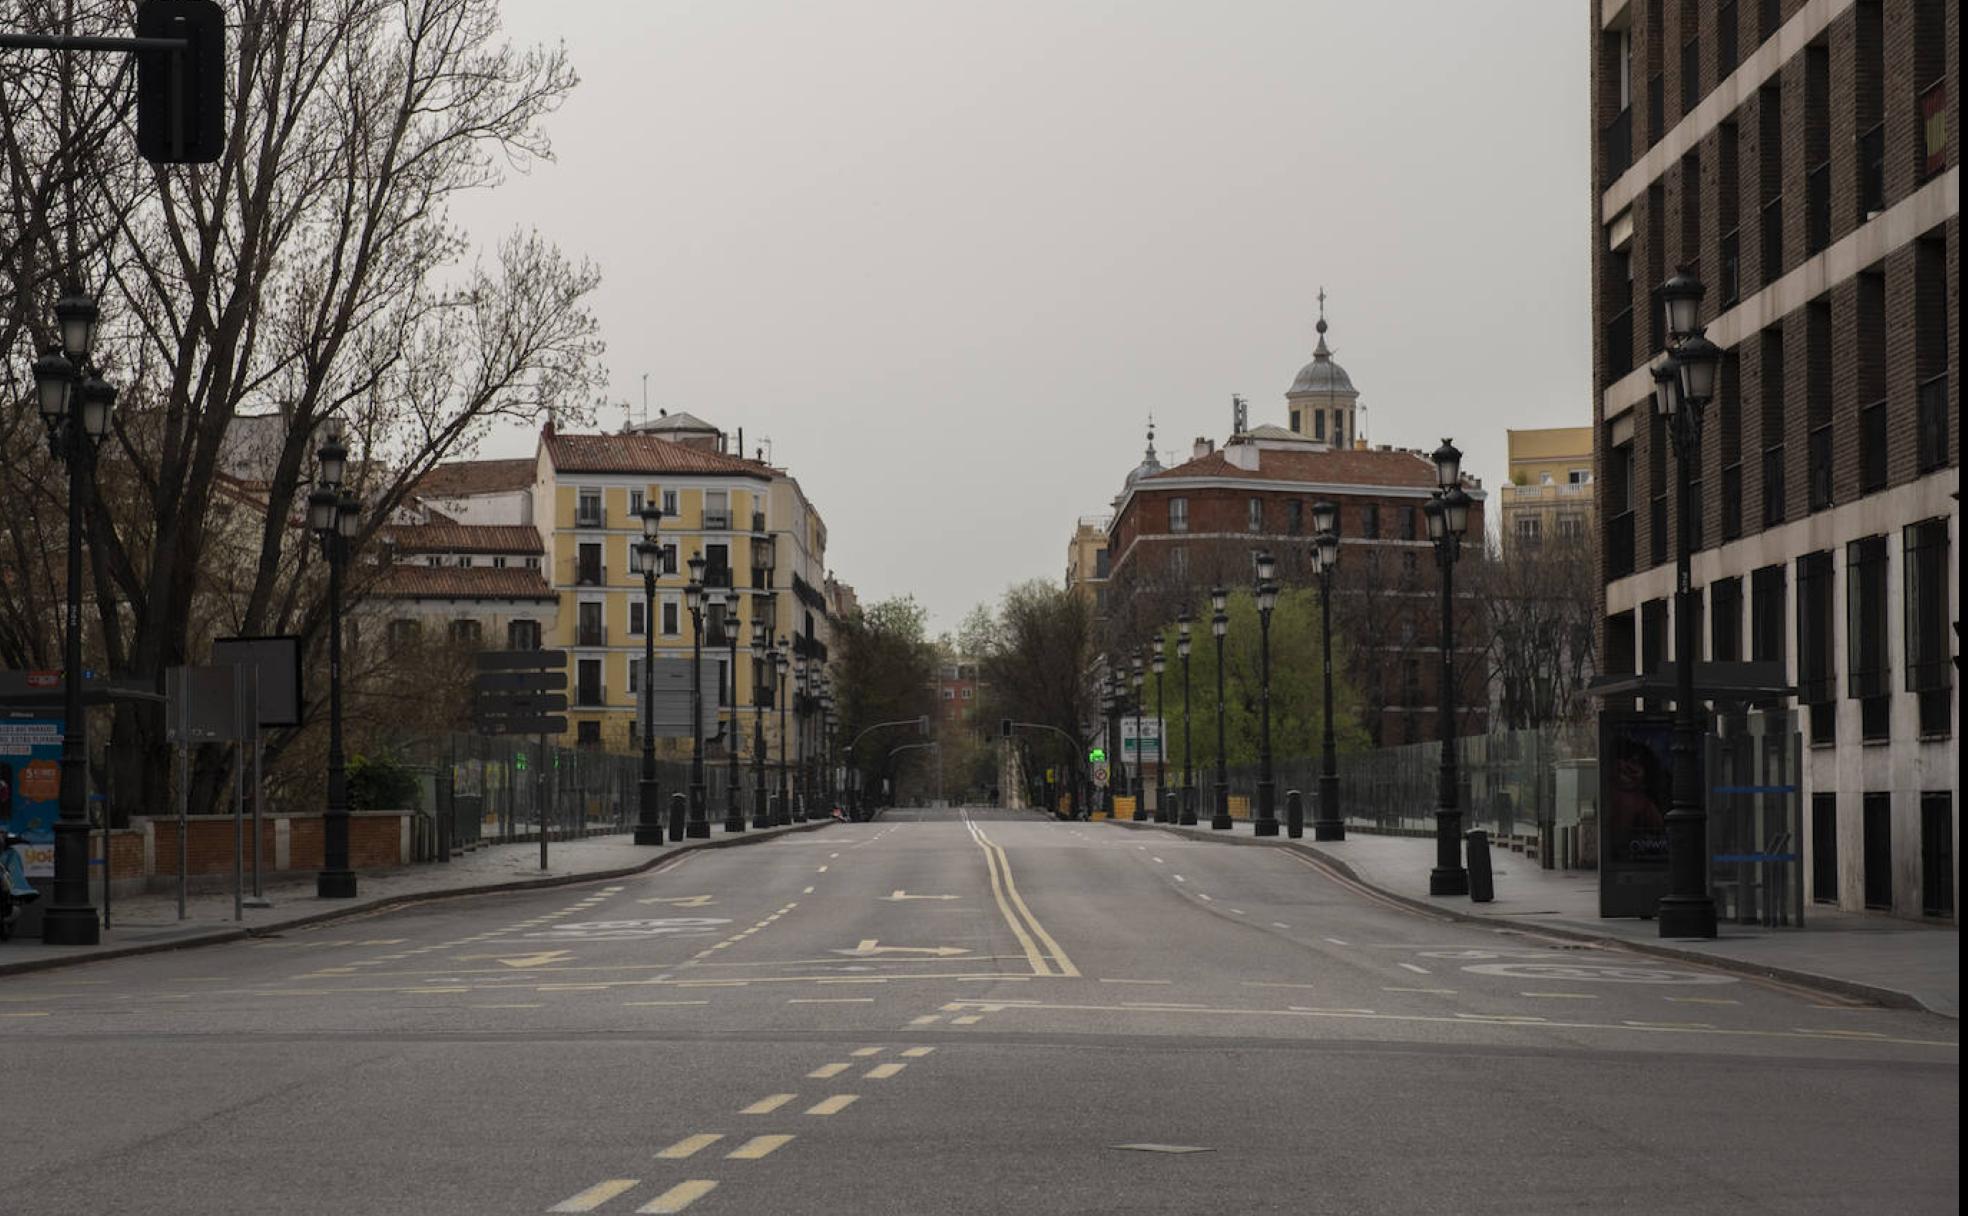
(519, 692)
(520, 660)
(521, 704)
(521, 726)
(520, 681)
(1100, 775)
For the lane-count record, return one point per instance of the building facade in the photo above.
(1549, 494)
(1086, 562)
(1801, 157)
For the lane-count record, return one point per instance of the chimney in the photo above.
(1242, 455)
(1204, 446)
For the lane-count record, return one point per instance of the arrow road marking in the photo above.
(869, 947)
(681, 901)
(525, 960)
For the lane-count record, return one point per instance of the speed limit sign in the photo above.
(1100, 774)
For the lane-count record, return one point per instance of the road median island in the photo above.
(1829, 984)
(399, 899)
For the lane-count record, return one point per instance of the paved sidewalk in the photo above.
(1885, 959)
(144, 923)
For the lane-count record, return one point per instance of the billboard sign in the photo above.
(1635, 790)
(30, 787)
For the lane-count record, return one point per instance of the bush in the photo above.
(382, 783)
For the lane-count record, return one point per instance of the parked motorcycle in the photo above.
(15, 892)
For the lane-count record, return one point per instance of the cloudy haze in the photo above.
(950, 257)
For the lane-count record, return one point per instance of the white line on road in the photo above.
(1568, 996)
(1205, 898)
(1278, 924)
(1108, 981)
(1335, 941)
(831, 1000)
(1180, 878)
(808, 891)
(1413, 968)
(1437, 991)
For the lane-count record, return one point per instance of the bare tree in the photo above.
(1538, 635)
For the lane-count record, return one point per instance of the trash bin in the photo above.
(1482, 887)
(1294, 814)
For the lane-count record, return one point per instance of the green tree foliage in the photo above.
(1036, 664)
(884, 671)
(382, 783)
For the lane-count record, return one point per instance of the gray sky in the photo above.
(950, 256)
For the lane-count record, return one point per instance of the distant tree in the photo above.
(1537, 633)
(884, 671)
(1037, 666)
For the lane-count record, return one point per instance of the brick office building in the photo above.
(1176, 532)
(1801, 157)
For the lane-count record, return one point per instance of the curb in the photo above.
(1889, 998)
(220, 936)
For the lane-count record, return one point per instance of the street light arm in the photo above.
(881, 726)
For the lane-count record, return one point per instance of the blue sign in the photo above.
(30, 787)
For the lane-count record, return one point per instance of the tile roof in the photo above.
(463, 478)
(411, 582)
(451, 537)
(642, 453)
(1351, 467)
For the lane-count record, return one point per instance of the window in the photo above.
(1570, 526)
(587, 509)
(587, 734)
(1878, 828)
(1295, 516)
(1178, 515)
(467, 632)
(1930, 339)
(1725, 620)
(1766, 616)
(587, 565)
(587, 682)
(1411, 682)
(1295, 419)
(1769, 114)
(1530, 531)
(669, 504)
(588, 629)
(717, 509)
(1653, 636)
(969, 693)
(670, 617)
(1370, 521)
(635, 678)
(1178, 563)
(1318, 424)
(522, 635)
(724, 683)
(1817, 400)
(717, 565)
(1929, 673)
(1257, 515)
(1816, 680)
(1937, 853)
(1824, 848)
(1771, 389)
(1866, 664)
(404, 632)
(1410, 564)
(635, 502)
(1727, 25)
(949, 694)
(498, 562)
(637, 623)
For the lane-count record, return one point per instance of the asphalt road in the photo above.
(949, 1011)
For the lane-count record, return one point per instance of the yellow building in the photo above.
(1549, 494)
(1086, 562)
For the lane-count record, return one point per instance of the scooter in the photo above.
(15, 892)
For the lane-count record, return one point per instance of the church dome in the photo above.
(1148, 463)
(1322, 377)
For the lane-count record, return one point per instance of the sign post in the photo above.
(524, 692)
(276, 666)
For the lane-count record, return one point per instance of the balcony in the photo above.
(1872, 172)
(758, 522)
(1619, 545)
(590, 515)
(590, 694)
(1617, 143)
(1817, 209)
(717, 521)
(1773, 485)
(1819, 468)
(717, 576)
(1932, 424)
(1732, 501)
(591, 633)
(1619, 344)
(1872, 448)
(1772, 240)
(590, 574)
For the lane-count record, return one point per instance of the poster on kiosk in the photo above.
(30, 787)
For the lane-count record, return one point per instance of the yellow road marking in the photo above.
(866, 1051)
(925, 1020)
(827, 1070)
(596, 1195)
(765, 1106)
(678, 1197)
(970, 1020)
(916, 1053)
(1065, 965)
(882, 1072)
(689, 1145)
(832, 1106)
(756, 1147)
(1032, 956)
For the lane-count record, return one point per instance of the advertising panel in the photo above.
(30, 787)
(1635, 790)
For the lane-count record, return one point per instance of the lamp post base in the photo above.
(76, 926)
(761, 810)
(1220, 817)
(1687, 916)
(1328, 826)
(1443, 881)
(649, 813)
(335, 884)
(1328, 829)
(1187, 818)
(699, 826)
(1266, 823)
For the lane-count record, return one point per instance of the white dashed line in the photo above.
(1413, 968)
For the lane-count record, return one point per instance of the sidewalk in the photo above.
(141, 924)
(1883, 959)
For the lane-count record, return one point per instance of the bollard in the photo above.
(1482, 888)
(678, 804)
(1294, 814)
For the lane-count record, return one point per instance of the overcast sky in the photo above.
(949, 257)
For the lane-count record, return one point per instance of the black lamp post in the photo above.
(334, 515)
(1448, 518)
(1140, 769)
(1158, 663)
(799, 734)
(699, 826)
(1683, 388)
(1220, 626)
(734, 819)
(647, 558)
(1187, 816)
(1115, 707)
(761, 693)
(1328, 824)
(827, 746)
(75, 406)
(1267, 788)
(780, 662)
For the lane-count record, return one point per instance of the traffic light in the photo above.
(181, 95)
(1097, 756)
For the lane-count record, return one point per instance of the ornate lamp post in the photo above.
(1158, 664)
(1115, 706)
(1187, 816)
(646, 557)
(799, 733)
(1219, 627)
(1267, 789)
(75, 406)
(699, 825)
(734, 819)
(780, 662)
(826, 761)
(1328, 824)
(1687, 910)
(335, 517)
(761, 693)
(1140, 769)
(1448, 518)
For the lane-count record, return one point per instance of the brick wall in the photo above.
(375, 842)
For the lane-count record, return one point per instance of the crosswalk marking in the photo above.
(756, 1147)
(833, 1105)
(678, 1197)
(866, 1051)
(596, 1195)
(827, 1070)
(882, 1072)
(766, 1105)
(916, 1053)
(689, 1145)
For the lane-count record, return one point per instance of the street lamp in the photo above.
(699, 826)
(1187, 817)
(780, 662)
(334, 516)
(1115, 707)
(75, 406)
(1329, 824)
(1448, 516)
(826, 761)
(1687, 910)
(1158, 663)
(1220, 626)
(761, 693)
(1267, 788)
(1140, 771)
(734, 819)
(646, 558)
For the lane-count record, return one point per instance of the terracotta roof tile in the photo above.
(463, 478)
(449, 537)
(461, 583)
(638, 453)
(1352, 467)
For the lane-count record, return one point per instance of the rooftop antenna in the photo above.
(765, 446)
(645, 398)
(1239, 414)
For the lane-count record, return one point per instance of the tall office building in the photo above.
(1801, 157)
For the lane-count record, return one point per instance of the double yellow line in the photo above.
(1025, 927)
